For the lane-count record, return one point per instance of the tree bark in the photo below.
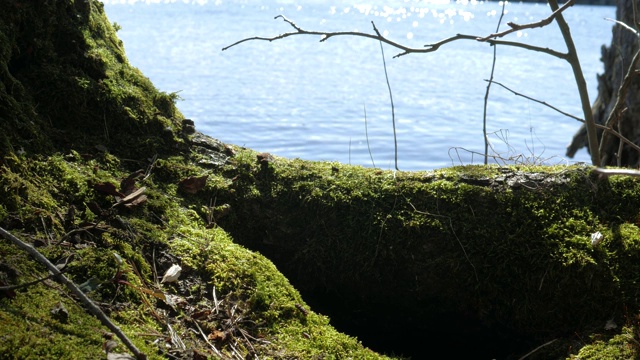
(616, 58)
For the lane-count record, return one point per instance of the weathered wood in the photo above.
(616, 59)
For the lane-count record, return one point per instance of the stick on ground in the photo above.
(93, 308)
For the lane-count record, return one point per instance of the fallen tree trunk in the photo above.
(481, 250)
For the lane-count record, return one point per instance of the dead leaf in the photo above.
(60, 313)
(129, 199)
(198, 315)
(172, 274)
(137, 201)
(108, 188)
(217, 335)
(228, 150)
(199, 355)
(193, 184)
(134, 195)
(159, 294)
(95, 208)
(90, 285)
(264, 158)
(128, 185)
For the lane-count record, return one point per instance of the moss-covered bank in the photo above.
(79, 129)
(505, 252)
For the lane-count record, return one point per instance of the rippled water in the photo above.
(298, 97)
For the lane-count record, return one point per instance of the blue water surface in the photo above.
(299, 97)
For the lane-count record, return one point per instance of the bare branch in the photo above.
(607, 129)
(548, 51)
(435, 46)
(538, 101)
(544, 22)
(324, 36)
(619, 136)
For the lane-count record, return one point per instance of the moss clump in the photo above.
(62, 69)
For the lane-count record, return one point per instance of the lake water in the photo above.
(298, 97)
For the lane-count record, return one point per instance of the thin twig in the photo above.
(152, 164)
(19, 286)
(618, 154)
(538, 348)
(559, 55)
(175, 339)
(44, 227)
(611, 172)
(95, 310)
(544, 22)
(206, 339)
(486, 94)
(539, 102)
(366, 133)
(393, 112)
(216, 303)
(624, 25)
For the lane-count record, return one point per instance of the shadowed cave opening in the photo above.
(387, 331)
(398, 327)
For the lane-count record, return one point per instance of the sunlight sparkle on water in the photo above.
(364, 8)
(148, 2)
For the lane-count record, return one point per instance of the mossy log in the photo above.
(507, 250)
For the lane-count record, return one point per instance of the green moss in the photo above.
(498, 242)
(71, 55)
(509, 247)
(622, 346)
(165, 224)
(31, 331)
(272, 302)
